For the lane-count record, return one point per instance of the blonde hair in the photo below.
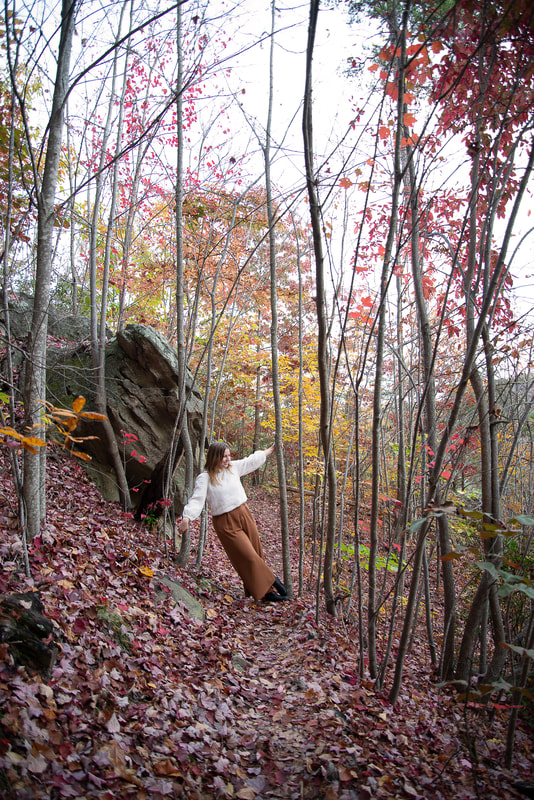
(214, 456)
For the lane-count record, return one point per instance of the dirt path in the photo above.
(302, 723)
(290, 737)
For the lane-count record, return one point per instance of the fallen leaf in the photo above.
(247, 793)
(169, 768)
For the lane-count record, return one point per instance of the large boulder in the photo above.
(20, 314)
(142, 403)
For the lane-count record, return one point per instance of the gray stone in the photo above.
(181, 595)
(20, 315)
(141, 386)
(142, 402)
(239, 663)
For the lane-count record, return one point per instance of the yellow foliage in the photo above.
(146, 571)
(65, 422)
(30, 443)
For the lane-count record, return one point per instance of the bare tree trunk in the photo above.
(301, 429)
(401, 489)
(282, 487)
(387, 265)
(131, 215)
(430, 424)
(72, 230)
(255, 477)
(13, 456)
(323, 361)
(99, 347)
(35, 375)
(183, 426)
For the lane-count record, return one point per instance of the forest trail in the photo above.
(256, 702)
(282, 689)
(306, 725)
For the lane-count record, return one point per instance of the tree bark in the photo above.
(183, 426)
(99, 346)
(274, 327)
(35, 375)
(430, 424)
(323, 361)
(385, 278)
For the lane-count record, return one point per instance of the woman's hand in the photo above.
(269, 451)
(184, 525)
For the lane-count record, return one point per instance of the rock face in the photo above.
(142, 395)
(141, 385)
(28, 633)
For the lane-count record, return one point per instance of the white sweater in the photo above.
(228, 492)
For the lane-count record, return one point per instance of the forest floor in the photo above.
(255, 702)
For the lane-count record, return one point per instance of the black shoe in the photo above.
(273, 597)
(279, 586)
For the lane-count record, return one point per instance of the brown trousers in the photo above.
(239, 536)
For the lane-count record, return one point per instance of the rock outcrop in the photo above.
(142, 393)
(142, 402)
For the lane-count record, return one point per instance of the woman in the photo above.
(235, 526)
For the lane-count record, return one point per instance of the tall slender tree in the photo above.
(323, 357)
(35, 375)
(271, 221)
(99, 315)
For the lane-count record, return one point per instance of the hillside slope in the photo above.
(256, 701)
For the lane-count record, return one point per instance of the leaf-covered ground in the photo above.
(257, 701)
